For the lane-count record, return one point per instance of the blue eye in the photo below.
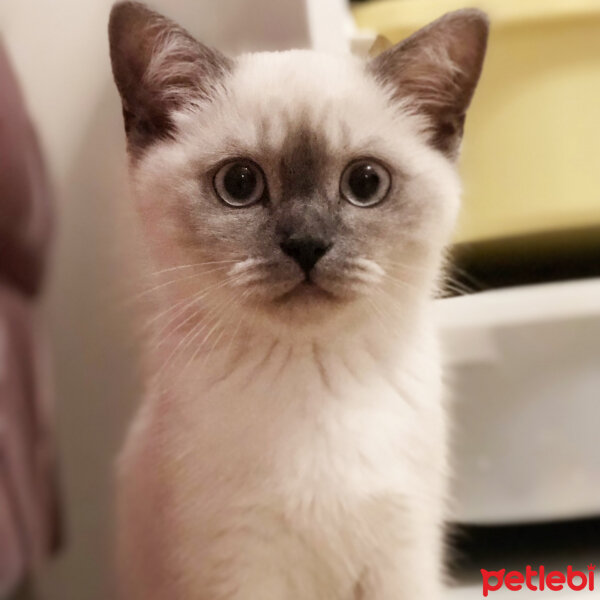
(365, 183)
(239, 183)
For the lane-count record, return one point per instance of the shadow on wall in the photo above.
(93, 347)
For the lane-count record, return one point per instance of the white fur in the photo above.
(284, 461)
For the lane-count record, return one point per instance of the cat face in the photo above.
(295, 184)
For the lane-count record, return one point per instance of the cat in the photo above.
(291, 443)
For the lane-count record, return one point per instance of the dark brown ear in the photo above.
(158, 68)
(436, 69)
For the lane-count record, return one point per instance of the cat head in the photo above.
(296, 185)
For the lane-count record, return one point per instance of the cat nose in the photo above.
(306, 251)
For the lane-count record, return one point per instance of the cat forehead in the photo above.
(302, 71)
(270, 99)
(306, 85)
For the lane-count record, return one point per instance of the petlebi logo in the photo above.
(540, 580)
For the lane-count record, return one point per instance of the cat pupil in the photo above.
(240, 182)
(364, 182)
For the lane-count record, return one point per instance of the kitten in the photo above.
(292, 443)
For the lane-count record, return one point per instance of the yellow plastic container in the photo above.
(531, 157)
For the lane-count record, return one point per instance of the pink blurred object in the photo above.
(29, 515)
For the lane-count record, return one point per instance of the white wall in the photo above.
(59, 49)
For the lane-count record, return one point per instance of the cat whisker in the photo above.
(171, 282)
(191, 266)
(195, 299)
(365, 278)
(248, 270)
(407, 267)
(184, 342)
(477, 283)
(188, 302)
(368, 265)
(388, 306)
(237, 327)
(456, 287)
(249, 278)
(182, 305)
(378, 314)
(217, 322)
(245, 265)
(365, 271)
(149, 276)
(450, 283)
(400, 283)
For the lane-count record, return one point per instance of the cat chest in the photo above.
(301, 434)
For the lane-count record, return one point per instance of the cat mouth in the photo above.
(306, 291)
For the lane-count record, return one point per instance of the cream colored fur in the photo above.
(292, 460)
(291, 444)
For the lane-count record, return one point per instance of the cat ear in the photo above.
(158, 68)
(436, 69)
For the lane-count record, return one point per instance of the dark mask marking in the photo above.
(304, 208)
(303, 164)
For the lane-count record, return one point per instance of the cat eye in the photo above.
(365, 183)
(239, 183)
